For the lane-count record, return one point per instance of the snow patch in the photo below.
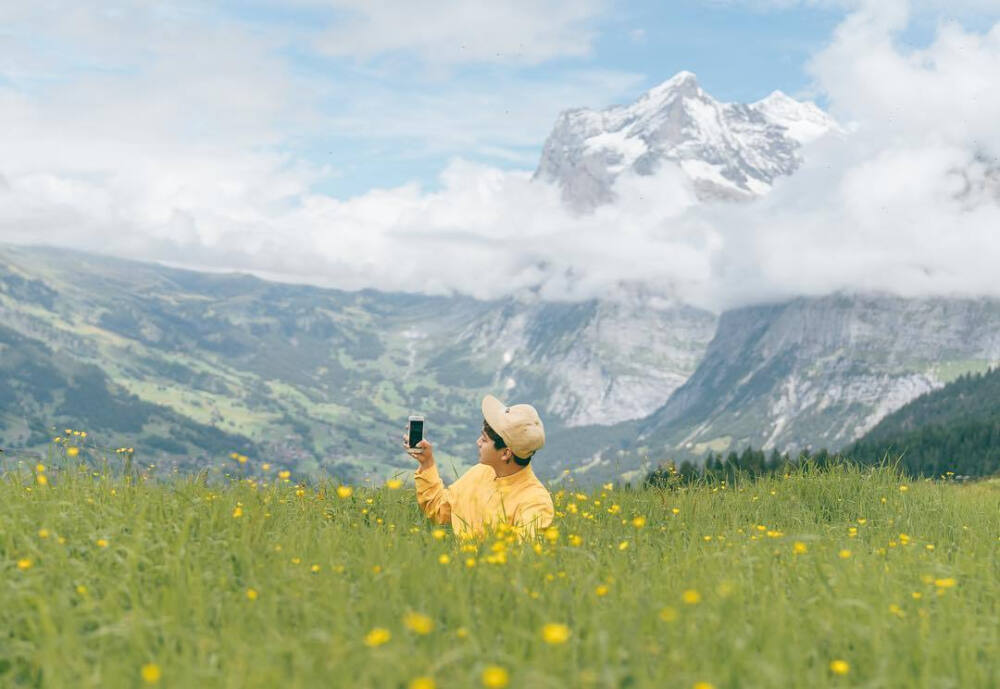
(628, 147)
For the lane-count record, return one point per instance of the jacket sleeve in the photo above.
(432, 497)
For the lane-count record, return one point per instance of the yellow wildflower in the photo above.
(344, 492)
(945, 583)
(639, 522)
(265, 467)
(438, 534)
(377, 637)
(252, 594)
(42, 479)
(552, 534)
(844, 554)
(555, 633)
(394, 484)
(668, 614)
(418, 623)
(421, 683)
(691, 597)
(102, 543)
(284, 475)
(623, 545)
(237, 513)
(703, 685)
(839, 667)
(151, 673)
(799, 548)
(495, 677)
(315, 569)
(24, 564)
(72, 451)
(40, 468)
(444, 559)
(601, 590)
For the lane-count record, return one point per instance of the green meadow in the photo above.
(841, 577)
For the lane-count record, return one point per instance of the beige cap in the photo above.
(519, 426)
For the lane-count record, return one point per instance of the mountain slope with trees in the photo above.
(953, 429)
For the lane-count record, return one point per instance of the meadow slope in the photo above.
(845, 577)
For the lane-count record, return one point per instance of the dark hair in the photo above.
(499, 444)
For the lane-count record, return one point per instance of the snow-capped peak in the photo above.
(728, 150)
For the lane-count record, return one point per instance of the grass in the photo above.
(843, 578)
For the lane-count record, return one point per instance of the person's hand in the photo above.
(423, 452)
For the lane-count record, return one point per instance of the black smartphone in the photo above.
(414, 430)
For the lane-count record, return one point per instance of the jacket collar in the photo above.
(525, 475)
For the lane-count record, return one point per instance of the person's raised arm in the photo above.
(432, 497)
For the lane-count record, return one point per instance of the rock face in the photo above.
(595, 362)
(728, 150)
(820, 372)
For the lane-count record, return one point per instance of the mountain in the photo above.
(316, 380)
(729, 151)
(955, 428)
(817, 372)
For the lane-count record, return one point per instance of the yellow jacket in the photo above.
(479, 498)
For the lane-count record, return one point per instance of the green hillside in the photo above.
(955, 428)
(37, 383)
(185, 366)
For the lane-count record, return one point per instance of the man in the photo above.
(502, 488)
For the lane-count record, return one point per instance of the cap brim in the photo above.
(493, 411)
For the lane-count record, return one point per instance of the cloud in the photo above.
(189, 168)
(521, 32)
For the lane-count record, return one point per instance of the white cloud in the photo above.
(186, 167)
(523, 32)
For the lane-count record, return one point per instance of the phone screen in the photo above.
(416, 432)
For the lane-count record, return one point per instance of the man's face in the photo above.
(488, 454)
